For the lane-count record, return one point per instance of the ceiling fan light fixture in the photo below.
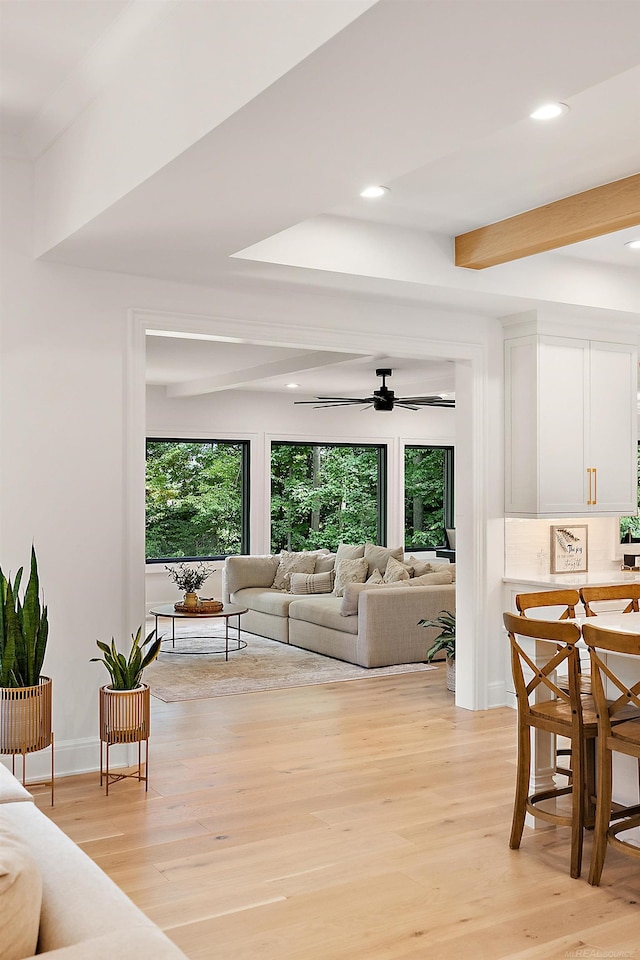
(549, 111)
(374, 192)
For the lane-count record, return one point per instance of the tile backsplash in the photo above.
(528, 544)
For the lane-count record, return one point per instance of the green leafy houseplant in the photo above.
(126, 672)
(24, 629)
(446, 639)
(189, 578)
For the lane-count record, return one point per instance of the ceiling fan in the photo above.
(382, 399)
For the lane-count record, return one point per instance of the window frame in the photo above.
(245, 511)
(449, 490)
(383, 478)
(636, 539)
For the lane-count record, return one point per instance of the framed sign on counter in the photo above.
(569, 549)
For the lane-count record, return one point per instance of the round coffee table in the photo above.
(228, 610)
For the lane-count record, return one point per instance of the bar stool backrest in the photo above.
(614, 697)
(528, 674)
(616, 591)
(567, 599)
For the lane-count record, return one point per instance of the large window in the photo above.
(428, 495)
(325, 494)
(630, 526)
(197, 502)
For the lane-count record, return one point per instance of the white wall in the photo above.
(262, 418)
(69, 434)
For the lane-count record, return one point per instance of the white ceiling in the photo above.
(430, 98)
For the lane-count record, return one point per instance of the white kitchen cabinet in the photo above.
(571, 425)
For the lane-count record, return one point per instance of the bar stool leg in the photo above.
(603, 812)
(522, 786)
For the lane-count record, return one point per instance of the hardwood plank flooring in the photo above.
(365, 820)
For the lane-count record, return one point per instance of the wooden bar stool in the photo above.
(566, 601)
(616, 591)
(618, 707)
(564, 713)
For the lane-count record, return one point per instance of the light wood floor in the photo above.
(365, 820)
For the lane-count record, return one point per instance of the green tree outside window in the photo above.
(194, 498)
(322, 495)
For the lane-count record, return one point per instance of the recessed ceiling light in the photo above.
(292, 386)
(549, 111)
(633, 244)
(373, 193)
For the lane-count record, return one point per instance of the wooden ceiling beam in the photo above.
(604, 209)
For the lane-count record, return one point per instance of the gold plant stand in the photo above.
(25, 724)
(125, 718)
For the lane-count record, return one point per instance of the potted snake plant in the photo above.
(125, 707)
(25, 693)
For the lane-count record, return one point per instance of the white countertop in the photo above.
(598, 578)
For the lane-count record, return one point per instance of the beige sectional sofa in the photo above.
(370, 626)
(53, 893)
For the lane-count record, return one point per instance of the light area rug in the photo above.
(262, 665)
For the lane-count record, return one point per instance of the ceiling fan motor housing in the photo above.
(383, 399)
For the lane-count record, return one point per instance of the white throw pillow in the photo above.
(444, 568)
(431, 579)
(379, 556)
(420, 567)
(349, 571)
(292, 563)
(325, 562)
(350, 551)
(20, 897)
(395, 571)
(307, 583)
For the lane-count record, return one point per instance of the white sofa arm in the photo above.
(388, 622)
(247, 571)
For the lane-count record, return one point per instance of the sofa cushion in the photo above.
(325, 612)
(264, 600)
(443, 568)
(396, 571)
(289, 563)
(350, 551)
(379, 556)
(376, 577)
(430, 579)
(249, 571)
(349, 571)
(420, 567)
(305, 583)
(325, 562)
(20, 897)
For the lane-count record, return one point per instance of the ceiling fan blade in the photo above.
(329, 406)
(406, 406)
(338, 400)
(348, 399)
(429, 401)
